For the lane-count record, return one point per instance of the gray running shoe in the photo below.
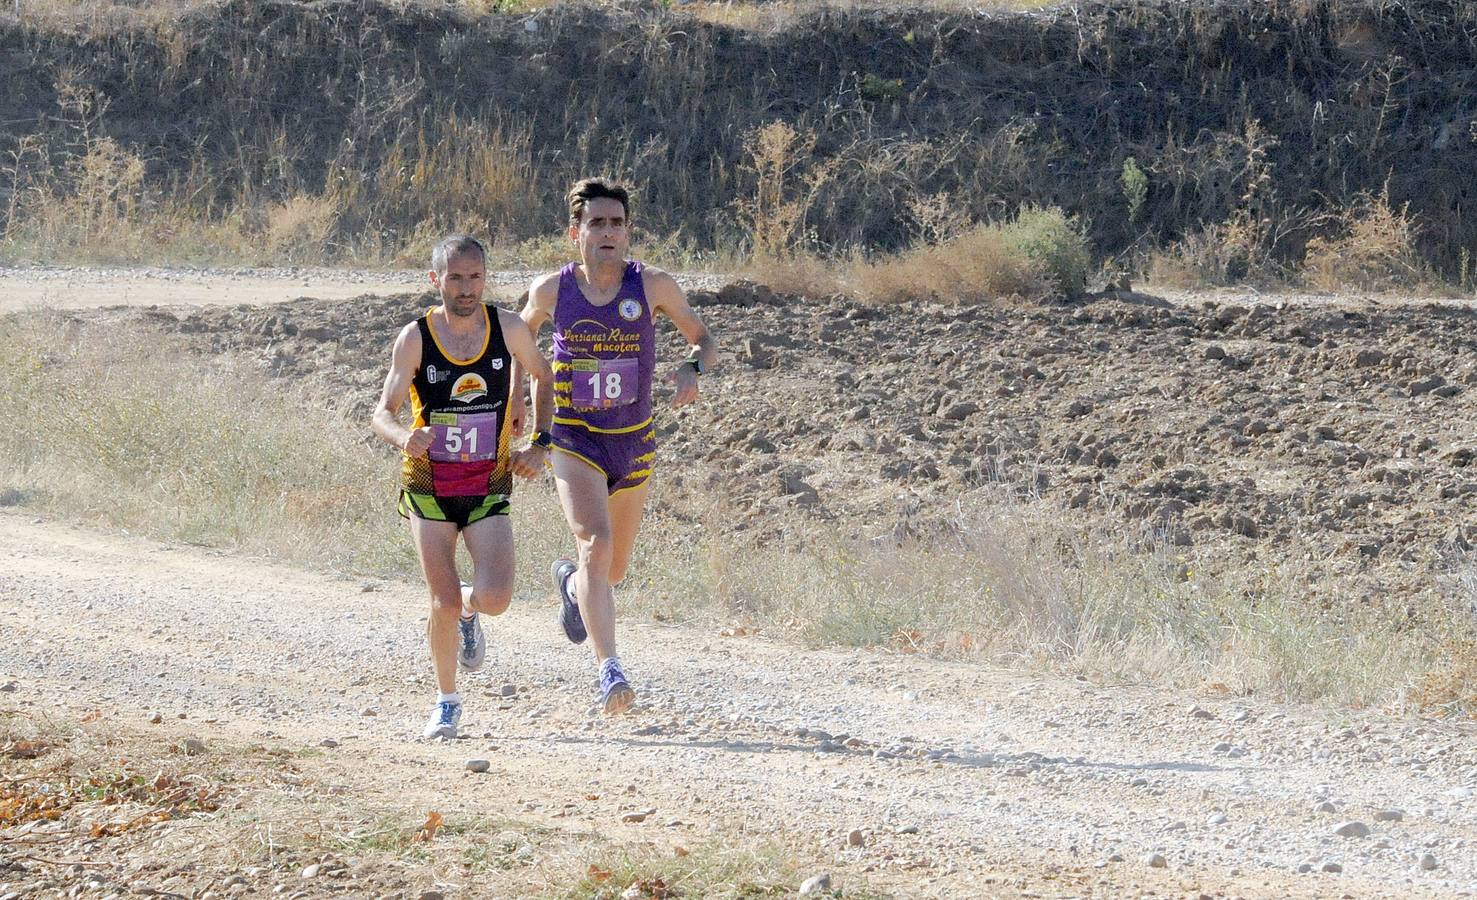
(473, 650)
(569, 610)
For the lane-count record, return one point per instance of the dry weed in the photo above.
(1451, 689)
(788, 180)
(299, 229)
(1374, 249)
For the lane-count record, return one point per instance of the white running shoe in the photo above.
(444, 720)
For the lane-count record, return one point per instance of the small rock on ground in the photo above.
(1352, 830)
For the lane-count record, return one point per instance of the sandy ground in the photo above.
(962, 780)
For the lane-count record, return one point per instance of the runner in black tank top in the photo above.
(455, 365)
(465, 475)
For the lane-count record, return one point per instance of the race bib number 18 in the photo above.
(463, 437)
(603, 383)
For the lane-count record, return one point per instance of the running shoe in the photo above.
(473, 649)
(569, 611)
(444, 719)
(616, 696)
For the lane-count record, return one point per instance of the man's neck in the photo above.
(605, 277)
(459, 324)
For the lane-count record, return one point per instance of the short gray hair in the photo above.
(454, 246)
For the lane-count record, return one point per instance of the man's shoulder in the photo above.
(545, 284)
(506, 318)
(650, 272)
(411, 331)
(659, 281)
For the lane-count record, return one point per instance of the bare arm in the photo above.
(667, 297)
(543, 294)
(537, 310)
(404, 360)
(521, 342)
(526, 358)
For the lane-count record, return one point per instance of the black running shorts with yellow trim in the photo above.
(459, 511)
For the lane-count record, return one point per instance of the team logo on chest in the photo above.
(469, 387)
(629, 309)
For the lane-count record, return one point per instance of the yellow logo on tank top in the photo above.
(469, 387)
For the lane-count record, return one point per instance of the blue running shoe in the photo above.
(616, 696)
(474, 640)
(569, 610)
(444, 719)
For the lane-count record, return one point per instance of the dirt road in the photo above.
(89, 287)
(961, 780)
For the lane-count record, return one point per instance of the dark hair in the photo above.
(587, 189)
(453, 246)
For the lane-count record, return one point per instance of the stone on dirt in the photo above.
(1352, 829)
(815, 884)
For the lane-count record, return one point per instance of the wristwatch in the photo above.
(697, 364)
(541, 439)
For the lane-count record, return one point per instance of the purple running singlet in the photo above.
(604, 358)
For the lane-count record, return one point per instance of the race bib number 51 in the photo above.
(463, 437)
(603, 383)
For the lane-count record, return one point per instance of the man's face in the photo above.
(461, 284)
(603, 234)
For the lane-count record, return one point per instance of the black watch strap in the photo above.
(541, 439)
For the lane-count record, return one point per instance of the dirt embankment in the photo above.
(925, 116)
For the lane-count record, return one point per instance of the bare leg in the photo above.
(626, 508)
(435, 542)
(490, 544)
(582, 495)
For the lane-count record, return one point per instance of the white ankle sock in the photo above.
(449, 698)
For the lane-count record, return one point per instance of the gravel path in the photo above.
(88, 287)
(939, 778)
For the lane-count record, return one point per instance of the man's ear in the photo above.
(435, 279)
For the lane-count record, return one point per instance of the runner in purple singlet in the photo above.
(602, 309)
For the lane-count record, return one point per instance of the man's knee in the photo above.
(446, 604)
(492, 601)
(595, 549)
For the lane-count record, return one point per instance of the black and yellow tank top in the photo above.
(465, 401)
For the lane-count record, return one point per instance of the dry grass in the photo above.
(865, 130)
(1022, 584)
(1374, 247)
(204, 451)
(1039, 254)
